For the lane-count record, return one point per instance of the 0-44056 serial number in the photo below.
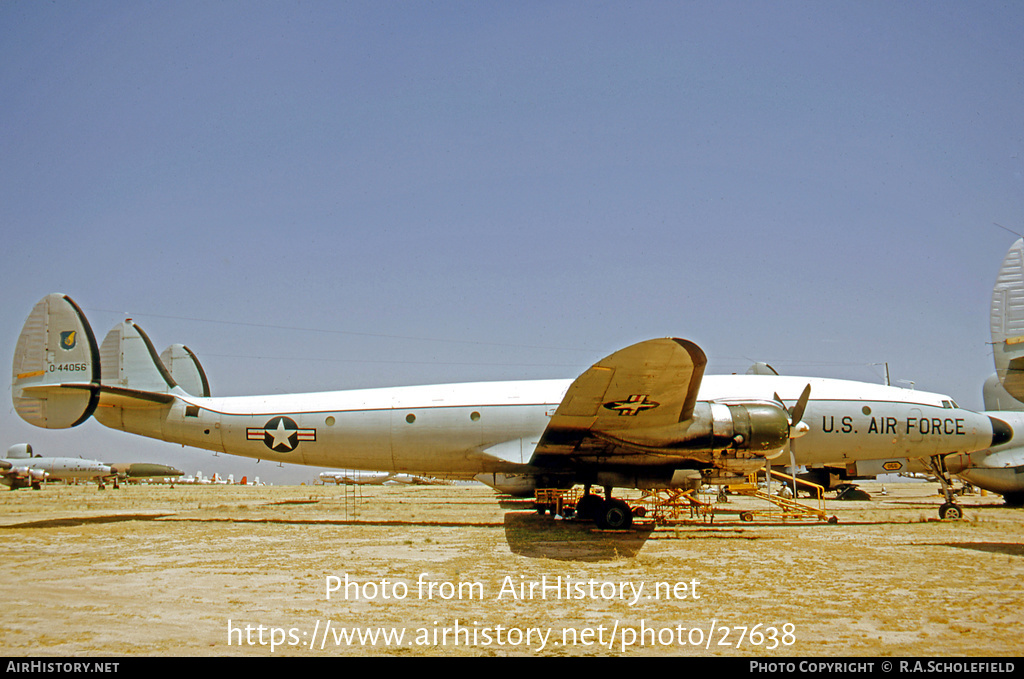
(68, 367)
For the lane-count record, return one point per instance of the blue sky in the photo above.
(334, 195)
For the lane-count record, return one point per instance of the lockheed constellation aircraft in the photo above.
(22, 469)
(643, 417)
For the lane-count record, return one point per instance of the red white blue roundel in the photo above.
(280, 434)
(632, 406)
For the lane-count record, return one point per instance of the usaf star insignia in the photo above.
(632, 406)
(280, 434)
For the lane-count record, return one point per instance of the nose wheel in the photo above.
(949, 510)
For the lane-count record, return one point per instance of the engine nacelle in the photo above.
(726, 435)
(760, 429)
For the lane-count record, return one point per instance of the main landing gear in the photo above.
(607, 512)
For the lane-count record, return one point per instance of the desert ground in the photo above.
(451, 570)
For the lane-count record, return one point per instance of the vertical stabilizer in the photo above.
(186, 369)
(55, 382)
(130, 361)
(1007, 321)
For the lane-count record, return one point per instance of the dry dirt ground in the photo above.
(233, 570)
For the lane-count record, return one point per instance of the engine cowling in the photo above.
(718, 433)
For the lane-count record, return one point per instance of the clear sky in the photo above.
(330, 195)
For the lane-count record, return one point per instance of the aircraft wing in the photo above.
(648, 386)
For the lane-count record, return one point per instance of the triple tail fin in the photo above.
(56, 379)
(186, 369)
(61, 375)
(130, 363)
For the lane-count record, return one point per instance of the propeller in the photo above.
(797, 427)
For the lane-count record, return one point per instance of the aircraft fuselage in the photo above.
(465, 429)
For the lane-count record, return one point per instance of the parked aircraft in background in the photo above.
(135, 472)
(358, 478)
(1000, 469)
(22, 469)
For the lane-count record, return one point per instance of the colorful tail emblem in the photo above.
(68, 339)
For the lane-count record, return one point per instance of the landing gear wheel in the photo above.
(588, 507)
(950, 511)
(616, 515)
(747, 516)
(1014, 499)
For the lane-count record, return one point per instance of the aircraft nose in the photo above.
(1001, 432)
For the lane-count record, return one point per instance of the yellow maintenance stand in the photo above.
(675, 506)
(785, 508)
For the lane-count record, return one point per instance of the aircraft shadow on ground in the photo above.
(529, 534)
(1008, 548)
(83, 520)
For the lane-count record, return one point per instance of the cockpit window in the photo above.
(949, 404)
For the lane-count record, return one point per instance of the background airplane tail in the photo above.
(61, 375)
(1007, 321)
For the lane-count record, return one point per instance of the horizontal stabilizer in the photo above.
(56, 377)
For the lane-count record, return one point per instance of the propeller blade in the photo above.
(797, 428)
(801, 405)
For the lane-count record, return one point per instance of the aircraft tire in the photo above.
(1014, 499)
(589, 507)
(615, 515)
(950, 511)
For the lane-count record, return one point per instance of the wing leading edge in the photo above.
(652, 384)
(639, 406)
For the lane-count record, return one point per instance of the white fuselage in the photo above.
(61, 468)
(461, 430)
